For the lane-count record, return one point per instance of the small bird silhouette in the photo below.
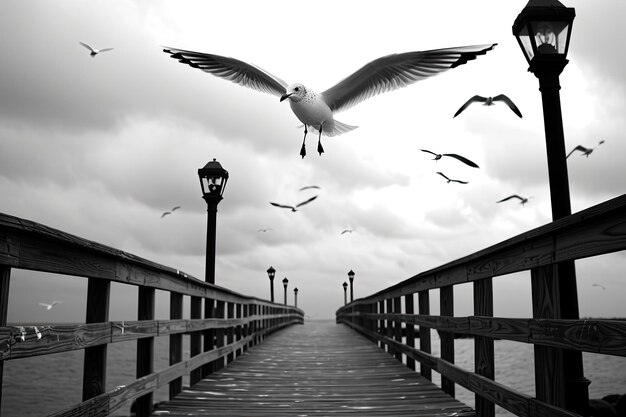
(489, 101)
(451, 180)
(293, 208)
(167, 213)
(175, 208)
(95, 51)
(585, 151)
(309, 187)
(344, 231)
(599, 285)
(463, 159)
(523, 200)
(317, 110)
(264, 230)
(49, 306)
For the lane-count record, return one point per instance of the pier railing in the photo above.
(232, 322)
(389, 316)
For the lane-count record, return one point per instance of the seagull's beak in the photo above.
(285, 96)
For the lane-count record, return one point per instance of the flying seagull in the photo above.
(451, 180)
(293, 208)
(310, 187)
(175, 208)
(585, 151)
(264, 230)
(166, 213)
(95, 51)
(438, 156)
(49, 306)
(599, 285)
(490, 101)
(317, 110)
(523, 200)
(344, 231)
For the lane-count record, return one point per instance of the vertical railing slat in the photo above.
(5, 280)
(410, 328)
(484, 363)
(195, 339)
(446, 303)
(95, 357)
(145, 348)
(176, 342)
(425, 342)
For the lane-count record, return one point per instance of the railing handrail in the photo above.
(232, 322)
(381, 316)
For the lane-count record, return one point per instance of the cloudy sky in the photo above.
(101, 147)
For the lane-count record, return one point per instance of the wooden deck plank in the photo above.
(320, 368)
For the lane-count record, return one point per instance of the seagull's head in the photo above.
(295, 92)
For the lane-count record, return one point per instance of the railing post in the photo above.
(5, 280)
(483, 346)
(230, 332)
(446, 303)
(219, 335)
(95, 362)
(176, 342)
(410, 329)
(195, 339)
(389, 323)
(209, 334)
(145, 348)
(397, 325)
(549, 368)
(381, 322)
(425, 343)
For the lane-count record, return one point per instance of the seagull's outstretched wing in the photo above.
(430, 152)
(231, 69)
(577, 148)
(479, 99)
(444, 175)
(462, 159)
(105, 49)
(395, 71)
(88, 47)
(309, 187)
(509, 102)
(283, 206)
(510, 197)
(306, 201)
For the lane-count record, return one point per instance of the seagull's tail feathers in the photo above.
(339, 129)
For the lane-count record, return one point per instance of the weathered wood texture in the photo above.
(29, 245)
(555, 330)
(320, 368)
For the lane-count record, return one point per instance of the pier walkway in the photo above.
(319, 368)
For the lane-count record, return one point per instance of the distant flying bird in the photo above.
(264, 230)
(344, 231)
(317, 110)
(293, 208)
(309, 187)
(49, 306)
(489, 101)
(599, 285)
(451, 180)
(167, 213)
(523, 200)
(585, 151)
(463, 159)
(95, 51)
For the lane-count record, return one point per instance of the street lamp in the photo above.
(345, 293)
(285, 282)
(271, 272)
(213, 180)
(351, 278)
(543, 31)
(295, 297)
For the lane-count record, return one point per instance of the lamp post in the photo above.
(543, 31)
(213, 180)
(271, 272)
(351, 278)
(285, 282)
(345, 293)
(295, 297)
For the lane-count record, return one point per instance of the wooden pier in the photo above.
(249, 356)
(320, 368)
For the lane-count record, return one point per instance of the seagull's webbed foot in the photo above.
(303, 148)
(320, 149)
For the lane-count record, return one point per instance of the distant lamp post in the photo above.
(345, 293)
(543, 31)
(285, 283)
(351, 278)
(213, 180)
(295, 297)
(271, 272)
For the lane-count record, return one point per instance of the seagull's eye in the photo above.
(297, 89)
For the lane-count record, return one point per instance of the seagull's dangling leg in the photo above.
(320, 150)
(303, 149)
